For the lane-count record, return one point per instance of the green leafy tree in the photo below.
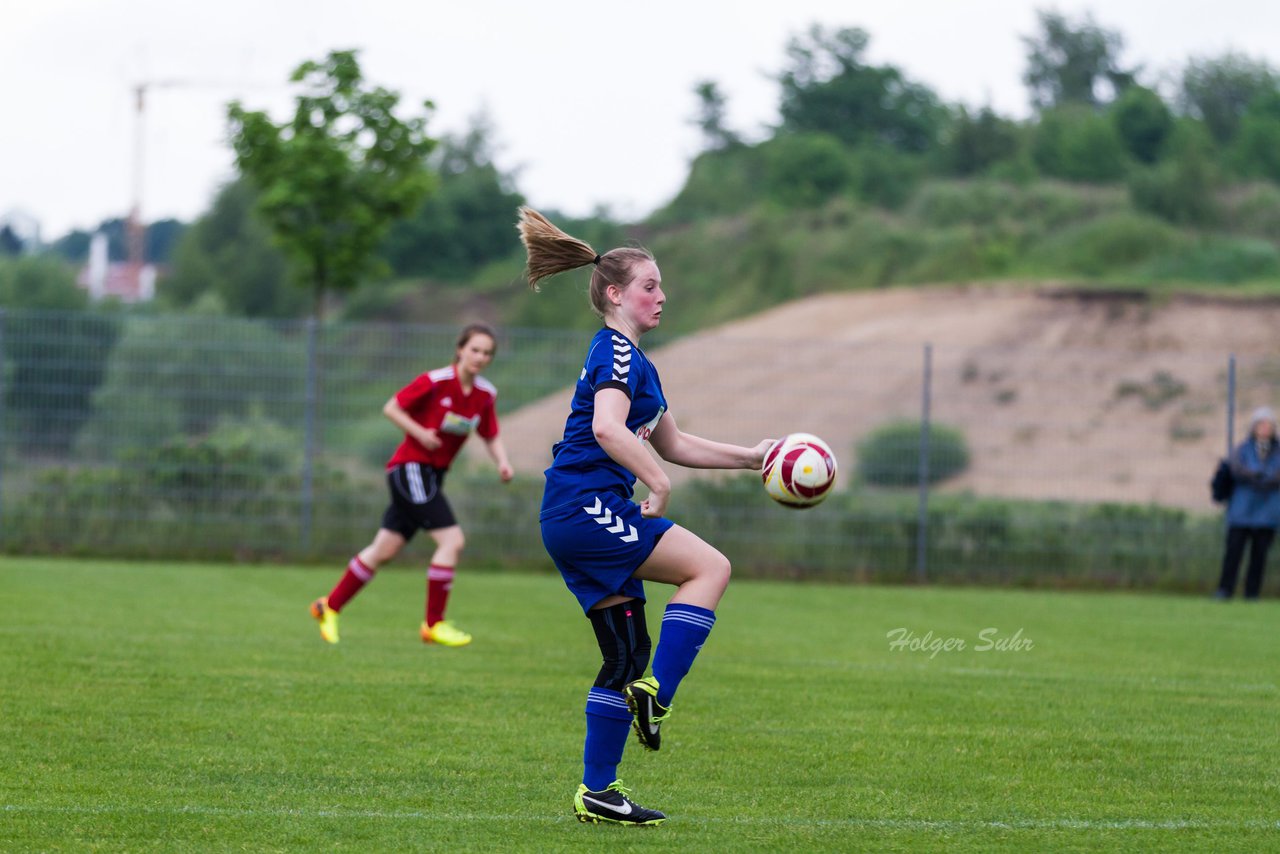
(10, 242)
(719, 183)
(829, 89)
(466, 223)
(161, 237)
(228, 254)
(74, 245)
(976, 142)
(1143, 121)
(1073, 62)
(1219, 90)
(54, 352)
(710, 117)
(1180, 188)
(803, 170)
(40, 282)
(1075, 143)
(1256, 150)
(334, 177)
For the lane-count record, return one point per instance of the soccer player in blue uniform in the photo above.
(605, 544)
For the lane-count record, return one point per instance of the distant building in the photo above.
(126, 281)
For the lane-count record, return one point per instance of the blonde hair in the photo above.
(551, 251)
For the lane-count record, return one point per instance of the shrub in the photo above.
(1254, 210)
(1219, 260)
(1076, 144)
(1106, 245)
(804, 170)
(890, 455)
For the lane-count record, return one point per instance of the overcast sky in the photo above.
(590, 101)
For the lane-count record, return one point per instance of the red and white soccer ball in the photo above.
(799, 470)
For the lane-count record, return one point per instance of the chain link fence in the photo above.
(199, 437)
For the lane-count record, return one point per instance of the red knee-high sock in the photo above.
(439, 583)
(356, 576)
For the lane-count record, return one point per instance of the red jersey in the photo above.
(436, 401)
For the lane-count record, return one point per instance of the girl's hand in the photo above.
(506, 472)
(758, 453)
(655, 505)
(430, 439)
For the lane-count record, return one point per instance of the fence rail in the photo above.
(154, 436)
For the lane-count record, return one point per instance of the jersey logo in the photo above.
(604, 516)
(457, 425)
(621, 358)
(446, 401)
(646, 430)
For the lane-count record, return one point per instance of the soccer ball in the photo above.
(799, 470)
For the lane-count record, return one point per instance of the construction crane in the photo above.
(135, 229)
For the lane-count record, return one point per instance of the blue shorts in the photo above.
(598, 543)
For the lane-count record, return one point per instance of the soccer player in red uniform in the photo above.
(437, 412)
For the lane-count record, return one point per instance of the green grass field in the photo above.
(148, 707)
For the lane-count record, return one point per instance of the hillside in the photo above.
(1060, 393)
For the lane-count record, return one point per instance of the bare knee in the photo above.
(449, 545)
(712, 570)
(384, 548)
(719, 570)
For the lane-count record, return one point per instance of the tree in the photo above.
(1069, 62)
(10, 242)
(1143, 121)
(228, 253)
(803, 170)
(334, 178)
(466, 223)
(1075, 143)
(74, 245)
(1255, 153)
(1180, 189)
(41, 282)
(829, 89)
(1218, 90)
(162, 237)
(710, 118)
(976, 142)
(55, 357)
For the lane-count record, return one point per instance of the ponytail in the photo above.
(551, 251)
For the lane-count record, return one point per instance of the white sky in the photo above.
(590, 101)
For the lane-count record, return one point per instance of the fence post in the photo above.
(309, 441)
(922, 522)
(1231, 403)
(4, 435)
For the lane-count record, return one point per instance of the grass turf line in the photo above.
(153, 707)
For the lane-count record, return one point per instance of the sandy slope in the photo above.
(1060, 394)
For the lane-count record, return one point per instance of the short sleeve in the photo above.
(415, 391)
(609, 365)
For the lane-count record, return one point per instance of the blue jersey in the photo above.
(579, 465)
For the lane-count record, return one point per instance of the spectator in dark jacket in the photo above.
(1254, 511)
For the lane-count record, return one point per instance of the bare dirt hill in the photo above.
(1060, 393)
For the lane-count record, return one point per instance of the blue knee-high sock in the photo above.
(608, 724)
(684, 630)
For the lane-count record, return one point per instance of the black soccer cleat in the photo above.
(613, 806)
(642, 700)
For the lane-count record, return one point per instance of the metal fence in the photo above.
(181, 436)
